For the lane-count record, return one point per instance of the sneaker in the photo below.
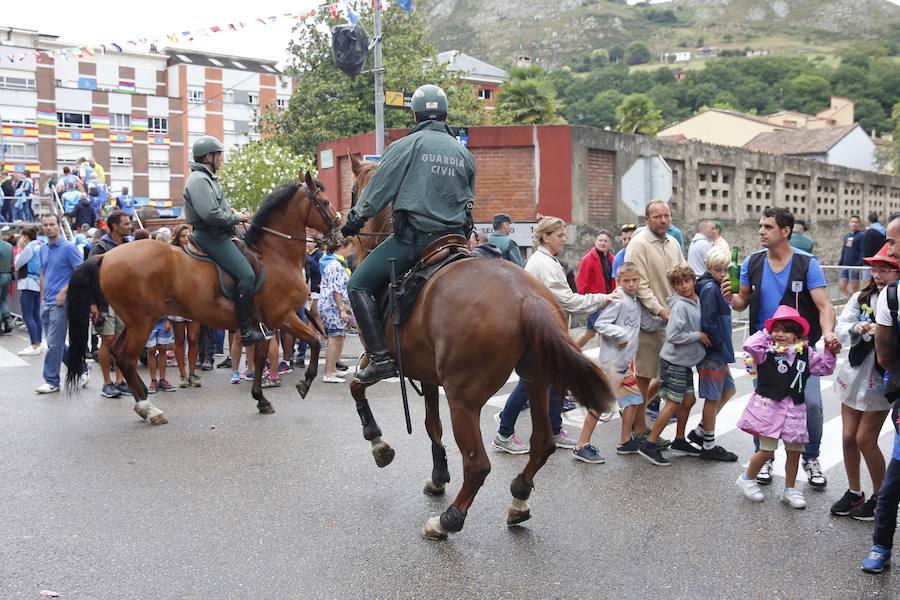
(630, 447)
(154, 385)
(606, 417)
(749, 488)
(269, 382)
(284, 367)
(184, 383)
(194, 380)
(764, 477)
(694, 438)
(110, 391)
(123, 387)
(794, 497)
(235, 377)
(563, 440)
(333, 379)
(510, 445)
(661, 442)
(878, 560)
(206, 364)
(588, 454)
(46, 388)
(338, 365)
(865, 511)
(848, 502)
(685, 448)
(85, 378)
(653, 453)
(300, 363)
(814, 473)
(568, 405)
(29, 351)
(225, 364)
(165, 386)
(718, 453)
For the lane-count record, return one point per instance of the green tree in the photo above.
(328, 104)
(871, 116)
(850, 80)
(894, 158)
(599, 57)
(527, 101)
(638, 114)
(807, 93)
(638, 53)
(255, 170)
(617, 53)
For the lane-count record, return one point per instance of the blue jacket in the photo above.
(715, 319)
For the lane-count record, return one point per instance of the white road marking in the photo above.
(8, 359)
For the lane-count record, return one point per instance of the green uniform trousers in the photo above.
(375, 272)
(217, 243)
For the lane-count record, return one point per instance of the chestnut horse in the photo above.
(473, 323)
(146, 279)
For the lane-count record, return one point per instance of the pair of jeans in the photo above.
(516, 402)
(220, 340)
(7, 211)
(55, 323)
(815, 418)
(886, 511)
(31, 314)
(206, 345)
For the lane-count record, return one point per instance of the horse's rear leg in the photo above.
(542, 446)
(440, 475)
(476, 466)
(381, 450)
(260, 353)
(126, 351)
(300, 330)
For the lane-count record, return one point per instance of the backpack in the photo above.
(891, 386)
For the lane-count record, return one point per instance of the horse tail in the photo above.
(562, 359)
(84, 290)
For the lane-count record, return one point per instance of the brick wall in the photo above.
(346, 186)
(504, 183)
(601, 186)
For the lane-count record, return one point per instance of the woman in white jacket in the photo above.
(860, 387)
(549, 241)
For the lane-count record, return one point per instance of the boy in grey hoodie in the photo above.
(684, 348)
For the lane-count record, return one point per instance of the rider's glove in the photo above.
(350, 229)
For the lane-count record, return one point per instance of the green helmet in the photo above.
(429, 102)
(205, 145)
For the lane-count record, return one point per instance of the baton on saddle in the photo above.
(392, 296)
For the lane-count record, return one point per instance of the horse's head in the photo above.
(362, 174)
(320, 215)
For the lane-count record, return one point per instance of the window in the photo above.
(74, 120)
(485, 94)
(268, 68)
(228, 126)
(157, 125)
(228, 96)
(17, 83)
(216, 62)
(281, 103)
(119, 122)
(196, 97)
(253, 98)
(184, 58)
(119, 161)
(238, 65)
(158, 163)
(21, 152)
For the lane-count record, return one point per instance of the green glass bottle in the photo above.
(734, 271)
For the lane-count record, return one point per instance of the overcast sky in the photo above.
(105, 21)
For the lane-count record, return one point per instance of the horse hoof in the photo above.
(159, 419)
(433, 530)
(514, 517)
(303, 388)
(383, 454)
(434, 489)
(266, 409)
(142, 410)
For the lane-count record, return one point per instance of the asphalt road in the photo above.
(225, 503)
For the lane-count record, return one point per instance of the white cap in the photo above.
(92, 231)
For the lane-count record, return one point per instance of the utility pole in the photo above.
(379, 84)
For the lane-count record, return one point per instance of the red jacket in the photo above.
(590, 278)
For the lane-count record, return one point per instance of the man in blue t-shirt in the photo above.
(777, 275)
(59, 258)
(627, 231)
(851, 256)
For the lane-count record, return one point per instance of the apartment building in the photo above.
(136, 113)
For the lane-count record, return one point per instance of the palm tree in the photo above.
(527, 101)
(638, 114)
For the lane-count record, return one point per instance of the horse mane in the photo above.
(272, 204)
(366, 172)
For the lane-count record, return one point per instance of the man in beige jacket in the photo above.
(654, 252)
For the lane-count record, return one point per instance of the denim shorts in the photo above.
(592, 319)
(675, 381)
(715, 379)
(850, 274)
(160, 337)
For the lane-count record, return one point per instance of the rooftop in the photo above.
(799, 141)
(460, 62)
(222, 61)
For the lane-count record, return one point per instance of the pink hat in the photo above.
(788, 313)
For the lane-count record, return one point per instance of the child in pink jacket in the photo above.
(784, 361)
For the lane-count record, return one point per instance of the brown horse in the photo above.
(144, 280)
(468, 338)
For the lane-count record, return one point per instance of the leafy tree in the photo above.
(599, 57)
(871, 116)
(617, 53)
(257, 169)
(328, 104)
(850, 80)
(638, 53)
(527, 101)
(638, 114)
(807, 93)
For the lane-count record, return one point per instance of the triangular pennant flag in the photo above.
(406, 5)
(117, 47)
(352, 16)
(215, 29)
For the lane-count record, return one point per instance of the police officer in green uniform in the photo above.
(500, 238)
(213, 221)
(430, 179)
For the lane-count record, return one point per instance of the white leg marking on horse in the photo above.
(433, 529)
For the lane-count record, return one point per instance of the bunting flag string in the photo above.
(336, 10)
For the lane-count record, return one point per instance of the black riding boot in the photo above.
(243, 305)
(381, 365)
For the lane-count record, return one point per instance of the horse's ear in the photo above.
(310, 182)
(354, 163)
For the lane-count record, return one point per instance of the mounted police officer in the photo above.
(430, 179)
(213, 221)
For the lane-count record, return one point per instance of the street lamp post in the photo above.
(379, 84)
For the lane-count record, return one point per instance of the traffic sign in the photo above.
(372, 158)
(397, 100)
(649, 178)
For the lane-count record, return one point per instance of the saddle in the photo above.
(227, 283)
(435, 256)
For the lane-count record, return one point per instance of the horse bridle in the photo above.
(323, 212)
